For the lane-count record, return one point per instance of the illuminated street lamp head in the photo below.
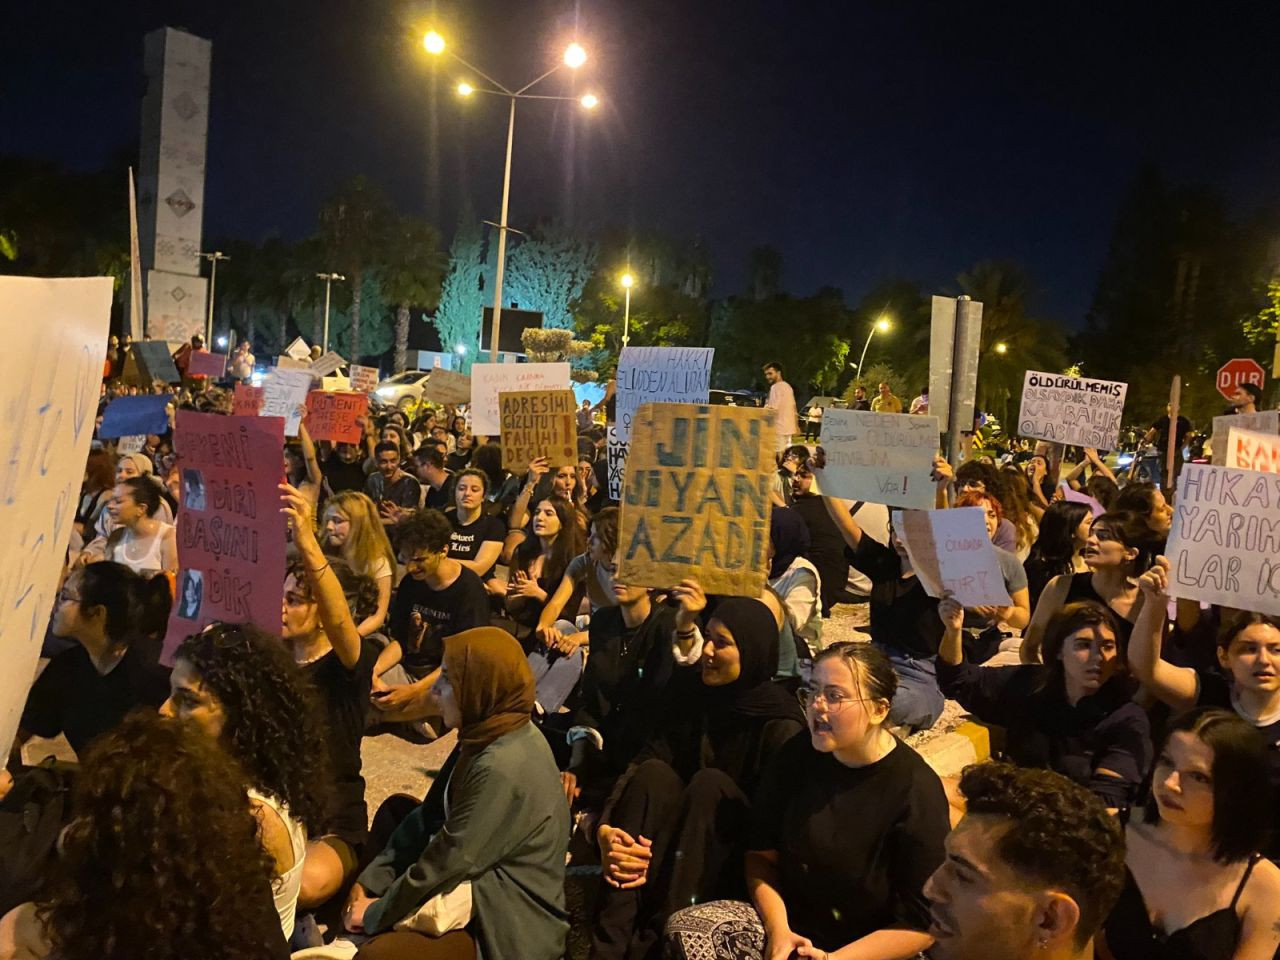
(627, 280)
(590, 101)
(1002, 348)
(574, 56)
(465, 89)
(433, 42)
(883, 324)
(461, 349)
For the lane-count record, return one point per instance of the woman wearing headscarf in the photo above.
(476, 871)
(672, 831)
(798, 584)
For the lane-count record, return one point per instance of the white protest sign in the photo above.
(1073, 410)
(660, 375)
(298, 350)
(131, 444)
(952, 554)
(490, 379)
(363, 379)
(284, 393)
(879, 457)
(328, 363)
(617, 453)
(1247, 450)
(56, 334)
(1224, 547)
(1264, 421)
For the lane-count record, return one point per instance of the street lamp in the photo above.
(627, 281)
(574, 57)
(213, 259)
(328, 279)
(883, 326)
(1002, 348)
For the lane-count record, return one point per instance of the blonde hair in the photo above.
(367, 541)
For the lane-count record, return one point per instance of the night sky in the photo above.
(864, 140)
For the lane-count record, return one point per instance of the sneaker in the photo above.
(340, 949)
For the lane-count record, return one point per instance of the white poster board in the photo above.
(1224, 547)
(1247, 450)
(284, 394)
(327, 364)
(131, 444)
(1264, 421)
(490, 379)
(953, 556)
(880, 457)
(298, 350)
(363, 379)
(56, 335)
(1073, 410)
(660, 375)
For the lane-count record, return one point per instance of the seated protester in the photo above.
(162, 859)
(460, 458)
(1103, 489)
(1032, 870)
(95, 491)
(128, 466)
(353, 531)
(1018, 508)
(789, 461)
(846, 826)
(826, 545)
(440, 435)
(396, 493)
(591, 572)
(343, 469)
(494, 819)
(1116, 553)
(1074, 714)
(586, 481)
(1064, 530)
(241, 688)
(670, 834)
(563, 483)
(796, 582)
(437, 598)
(117, 619)
(477, 537)
(974, 476)
(540, 564)
(139, 540)
(984, 623)
(1146, 501)
(504, 486)
(437, 482)
(1196, 883)
(318, 627)
(1248, 683)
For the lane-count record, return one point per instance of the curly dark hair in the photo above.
(273, 722)
(1060, 834)
(162, 859)
(428, 530)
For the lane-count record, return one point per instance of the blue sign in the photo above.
(128, 416)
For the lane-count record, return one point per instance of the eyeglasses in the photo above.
(834, 700)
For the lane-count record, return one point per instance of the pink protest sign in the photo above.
(1075, 496)
(206, 364)
(334, 415)
(231, 534)
(247, 400)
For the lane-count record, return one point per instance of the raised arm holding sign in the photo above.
(1071, 410)
(952, 554)
(879, 457)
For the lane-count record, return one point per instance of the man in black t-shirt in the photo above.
(437, 482)
(343, 468)
(1159, 432)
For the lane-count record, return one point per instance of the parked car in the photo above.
(736, 398)
(404, 390)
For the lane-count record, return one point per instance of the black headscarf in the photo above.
(753, 694)
(790, 537)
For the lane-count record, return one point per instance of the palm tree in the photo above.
(353, 225)
(413, 272)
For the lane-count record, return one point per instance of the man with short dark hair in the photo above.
(859, 401)
(428, 464)
(885, 401)
(1246, 398)
(393, 490)
(782, 401)
(1032, 870)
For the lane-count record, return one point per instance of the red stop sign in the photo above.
(1238, 371)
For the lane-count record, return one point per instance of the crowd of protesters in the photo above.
(735, 786)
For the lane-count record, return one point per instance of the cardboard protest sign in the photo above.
(1264, 421)
(328, 364)
(880, 457)
(149, 361)
(286, 362)
(1073, 410)
(247, 400)
(363, 379)
(144, 413)
(696, 501)
(660, 375)
(284, 392)
(1224, 547)
(447, 387)
(1075, 496)
(617, 454)
(490, 379)
(131, 444)
(952, 554)
(206, 364)
(1247, 450)
(333, 416)
(231, 533)
(55, 332)
(298, 350)
(538, 423)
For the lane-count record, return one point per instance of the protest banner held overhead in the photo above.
(145, 413)
(1224, 547)
(1247, 450)
(298, 350)
(880, 457)
(1263, 421)
(1073, 410)
(660, 375)
(447, 387)
(490, 379)
(336, 416)
(696, 501)
(538, 423)
(247, 400)
(363, 379)
(230, 531)
(616, 451)
(284, 393)
(952, 554)
(206, 364)
(328, 364)
(54, 330)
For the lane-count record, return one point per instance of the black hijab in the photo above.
(790, 537)
(753, 694)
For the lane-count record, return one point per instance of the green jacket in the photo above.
(507, 831)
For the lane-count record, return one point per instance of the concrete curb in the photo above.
(952, 752)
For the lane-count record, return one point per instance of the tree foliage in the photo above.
(807, 335)
(461, 309)
(547, 272)
(412, 271)
(353, 228)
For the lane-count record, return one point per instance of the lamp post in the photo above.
(574, 57)
(328, 279)
(883, 326)
(213, 259)
(627, 281)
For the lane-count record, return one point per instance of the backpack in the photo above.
(32, 816)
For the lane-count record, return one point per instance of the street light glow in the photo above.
(574, 56)
(465, 89)
(589, 101)
(433, 42)
(627, 280)
(883, 324)
(1002, 348)
(460, 349)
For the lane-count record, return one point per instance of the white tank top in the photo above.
(288, 885)
(151, 560)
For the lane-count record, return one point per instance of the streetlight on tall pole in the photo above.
(574, 57)
(883, 326)
(213, 259)
(627, 281)
(328, 279)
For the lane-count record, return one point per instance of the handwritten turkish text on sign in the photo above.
(231, 533)
(879, 457)
(284, 392)
(363, 379)
(617, 463)
(55, 331)
(1263, 421)
(538, 423)
(246, 401)
(1072, 410)
(1247, 450)
(1224, 547)
(953, 556)
(696, 502)
(490, 379)
(333, 415)
(660, 375)
(448, 387)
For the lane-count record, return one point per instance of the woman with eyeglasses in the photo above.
(846, 826)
